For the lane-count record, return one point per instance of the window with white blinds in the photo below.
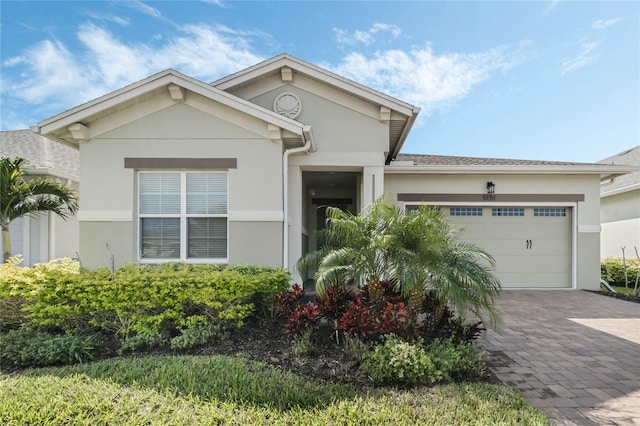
(183, 216)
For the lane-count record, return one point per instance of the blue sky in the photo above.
(554, 80)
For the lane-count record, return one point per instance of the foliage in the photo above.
(142, 306)
(612, 270)
(302, 344)
(335, 301)
(26, 347)
(287, 300)
(399, 361)
(303, 318)
(189, 390)
(144, 340)
(190, 337)
(411, 250)
(20, 196)
(362, 319)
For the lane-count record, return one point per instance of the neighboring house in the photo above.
(43, 236)
(173, 168)
(620, 208)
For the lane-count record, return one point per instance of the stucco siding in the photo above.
(94, 237)
(108, 190)
(257, 243)
(587, 225)
(340, 123)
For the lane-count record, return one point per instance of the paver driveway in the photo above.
(575, 355)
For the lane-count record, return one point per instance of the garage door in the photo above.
(531, 245)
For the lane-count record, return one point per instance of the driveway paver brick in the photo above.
(576, 372)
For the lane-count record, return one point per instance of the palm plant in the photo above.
(415, 250)
(19, 196)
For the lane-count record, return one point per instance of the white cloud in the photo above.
(424, 78)
(367, 37)
(585, 57)
(123, 22)
(145, 8)
(51, 77)
(602, 24)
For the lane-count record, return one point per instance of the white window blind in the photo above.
(183, 215)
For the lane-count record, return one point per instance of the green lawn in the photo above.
(191, 390)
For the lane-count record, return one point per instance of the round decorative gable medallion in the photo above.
(288, 104)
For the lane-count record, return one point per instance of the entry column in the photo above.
(372, 186)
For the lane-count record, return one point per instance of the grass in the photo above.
(218, 390)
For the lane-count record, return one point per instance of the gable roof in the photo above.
(628, 182)
(57, 127)
(398, 127)
(407, 163)
(43, 155)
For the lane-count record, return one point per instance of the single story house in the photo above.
(238, 171)
(43, 236)
(620, 208)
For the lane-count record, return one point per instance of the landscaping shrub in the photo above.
(303, 318)
(399, 361)
(287, 300)
(32, 348)
(612, 270)
(143, 306)
(190, 337)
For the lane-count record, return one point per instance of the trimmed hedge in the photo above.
(136, 300)
(612, 270)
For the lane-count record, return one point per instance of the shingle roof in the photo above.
(630, 157)
(445, 160)
(39, 151)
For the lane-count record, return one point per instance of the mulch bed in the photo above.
(627, 297)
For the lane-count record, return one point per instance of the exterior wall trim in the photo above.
(538, 198)
(180, 163)
(255, 216)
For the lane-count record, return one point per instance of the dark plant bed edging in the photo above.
(627, 297)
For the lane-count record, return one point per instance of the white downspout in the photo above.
(308, 145)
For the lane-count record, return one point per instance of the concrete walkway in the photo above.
(574, 355)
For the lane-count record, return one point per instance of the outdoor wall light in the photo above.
(491, 187)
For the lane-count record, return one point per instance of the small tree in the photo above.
(416, 250)
(19, 197)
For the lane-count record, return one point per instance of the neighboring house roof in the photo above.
(43, 155)
(454, 164)
(627, 182)
(74, 125)
(399, 124)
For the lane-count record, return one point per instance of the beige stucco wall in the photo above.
(108, 190)
(587, 228)
(255, 243)
(341, 122)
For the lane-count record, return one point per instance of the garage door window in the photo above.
(550, 212)
(507, 211)
(465, 211)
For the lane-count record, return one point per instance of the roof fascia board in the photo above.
(157, 81)
(604, 172)
(318, 73)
